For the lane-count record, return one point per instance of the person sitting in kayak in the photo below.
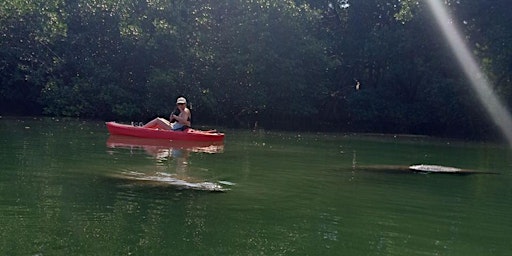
(178, 122)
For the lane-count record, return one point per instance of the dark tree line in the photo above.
(283, 64)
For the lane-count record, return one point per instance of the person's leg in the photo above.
(150, 124)
(158, 123)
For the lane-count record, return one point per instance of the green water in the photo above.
(65, 190)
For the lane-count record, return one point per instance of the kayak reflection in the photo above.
(172, 162)
(160, 148)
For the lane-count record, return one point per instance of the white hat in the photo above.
(181, 100)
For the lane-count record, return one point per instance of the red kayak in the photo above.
(141, 132)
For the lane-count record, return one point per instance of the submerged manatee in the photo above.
(164, 179)
(424, 168)
(445, 169)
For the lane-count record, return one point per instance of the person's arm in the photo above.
(184, 119)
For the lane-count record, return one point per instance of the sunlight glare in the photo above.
(499, 114)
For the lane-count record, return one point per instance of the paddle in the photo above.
(173, 113)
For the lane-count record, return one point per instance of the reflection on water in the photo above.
(161, 149)
(165, 151)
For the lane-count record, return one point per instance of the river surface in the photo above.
(68, 188)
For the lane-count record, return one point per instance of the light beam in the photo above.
(479, 82)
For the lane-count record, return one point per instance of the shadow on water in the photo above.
(177, 152)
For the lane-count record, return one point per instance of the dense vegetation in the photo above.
(282, 64)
